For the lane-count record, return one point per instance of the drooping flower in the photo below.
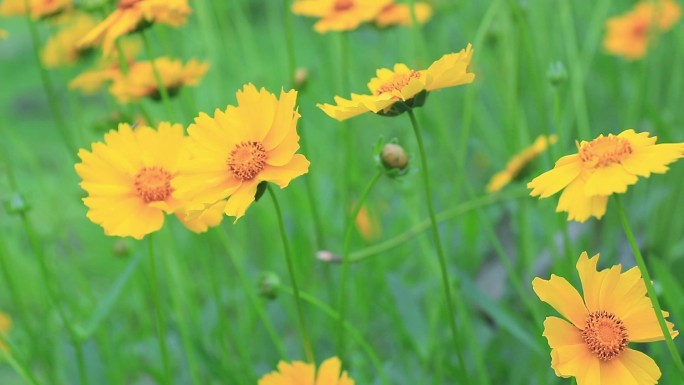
(128, 178)
(106, 70)
(628, 35)
(141, 82)
(61, 49)
(593, 346)
(134, 15)
(300, 373)
(395, 91)
(400, 14)
(339, 15)
(236, 149)
(5, 325)
(601, 167)
(519, 161)
(37, 8)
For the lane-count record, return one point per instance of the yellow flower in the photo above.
(210, 217)
(400, 14)
(128, 178)
(300, 373)
(239, 148)
(593, 346)
(393, 92)
(3, 34)
(140, 81)
(368, 224)
(606, 165)
(37, 8)
(106, 70)
(339, 15)
(5, 325)
(61, 49)
(628, 35)
(133, 15)
(519, 161)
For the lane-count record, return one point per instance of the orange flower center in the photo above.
(640, 30)
(398, 82)
(153, 184)
(247, 159)
(604, 151)
(343, 5)
(126, 4)
(605, 335)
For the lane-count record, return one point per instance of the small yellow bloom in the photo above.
(239, 148)
(61, 49)
(141, 82)
(37, 8)
(606, 165)
(519, 161)
(132, 15)
(615, 311)
(400, 14)
(395, 91)
(368, 224)
(300, 373)
(128, 178)
(628, 35)
(5, 325)
(106, 70)
(339, 15)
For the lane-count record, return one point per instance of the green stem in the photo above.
(355, 333)
(348, 232)
(50, 90)
(289, 42)
(160, 83)
(290, 267)
(17, 366)
(440, 253)
(649, 287)
(159, 315)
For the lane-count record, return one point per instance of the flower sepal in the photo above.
(400, 107)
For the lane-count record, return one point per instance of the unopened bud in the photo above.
(301, 76)
(16, 204)
(268, 285)
(328, 256)
(394, 156)
(557, 74)
(121, 248)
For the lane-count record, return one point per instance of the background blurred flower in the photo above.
(241, 147)
(37, 8)
(128, 178)
(368, 224)
(132, 15)
(339, 15)
(403, 85)
(107, 69)
(3, 34)
(61, 48)
(5, 325)
(519, 161)
(628, 35)
(606, 165)
(400, 14)
(300, 373)
(593, 346)
(140, 80)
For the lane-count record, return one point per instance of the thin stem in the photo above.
(308, 351)
(17, 366)
(348, 232)
(289, 42)
(159, 315)
(440, 253)
(160, 84)
(649, 287)
(50, 90)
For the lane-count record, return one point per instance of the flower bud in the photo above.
(301, 76)
(121, 248)
(268, 285)
(16, 204)
(394, 156)
(557, 74)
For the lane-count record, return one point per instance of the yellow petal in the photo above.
(284, 120)
(634, 368)
(652, 159)
(629, 291)
(257, 110)
(560, 332)
(285, 150)
(329, 371)
(560, 294)
(590, 371)
(240, 200)
(344, 109)
(591, 280)
(566, 170)
(608, 180)
(578, 205)
(299, 373)
(574, 360)
(450, 70)
(283, 175)
(642, 324)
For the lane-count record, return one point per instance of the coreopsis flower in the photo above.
(61, 48)
(240, 147)
(519, 161)
(628, 35)
(400, 14)
(339, 15)
(396, 91)
(36, 8)
(300, 373)
(140, 81)
(593, 346)
(5, 325)
(106, 70)
(134, 15)
(602, 167)
(128, 178)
